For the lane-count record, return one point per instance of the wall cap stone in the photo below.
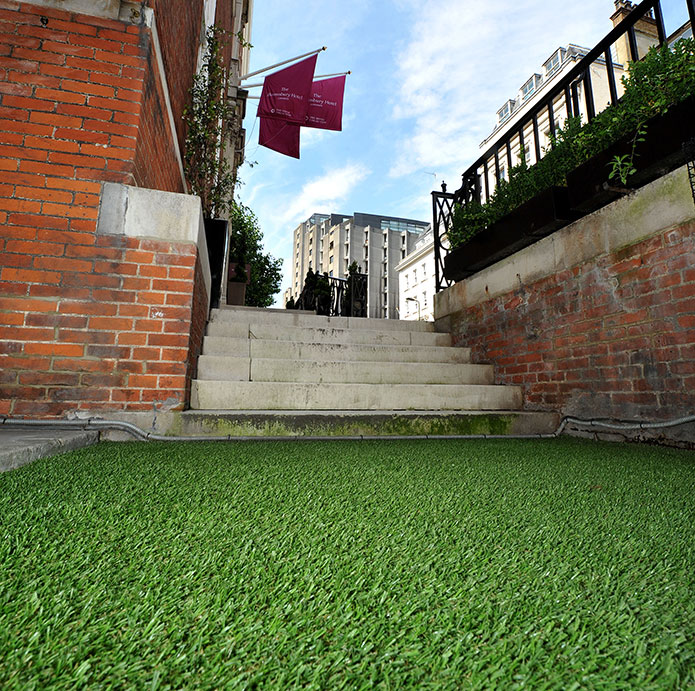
(145, 213)
(650, 210)
(97, 8)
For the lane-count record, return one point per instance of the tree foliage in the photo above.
(246, 247)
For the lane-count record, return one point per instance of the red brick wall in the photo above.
(179, 25)
(86, 321)
(613, 338)
(157, 164)
(113, 325)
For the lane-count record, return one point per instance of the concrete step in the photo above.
(245, 395)
(277, 332)
(386, 423)
(221, 368)
(252, 315)
(356, 352)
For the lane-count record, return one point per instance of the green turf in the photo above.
(452, 564)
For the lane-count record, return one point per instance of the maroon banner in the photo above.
(279, 136)
(285, 93)
(326, 104)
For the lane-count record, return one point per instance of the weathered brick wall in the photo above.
(115, 324)
(612, 336)
(157, 163)
(86, 321)
(179, 25)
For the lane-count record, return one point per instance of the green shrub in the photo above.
(665, 77)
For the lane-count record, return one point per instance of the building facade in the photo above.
(104, 274)
(331, 242)
(516, 110)
(416, 280)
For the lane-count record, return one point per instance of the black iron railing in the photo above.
(572, 95)
(345, 297)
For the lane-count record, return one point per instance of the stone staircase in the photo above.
(296, 372)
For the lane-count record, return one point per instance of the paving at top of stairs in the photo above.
(280, 317)
(326, 334)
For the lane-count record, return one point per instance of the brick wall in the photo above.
(179, 27)
(157, 165)
(610, 336)
(86, 321)
(115, 324)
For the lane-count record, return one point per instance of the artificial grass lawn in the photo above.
(436, 564)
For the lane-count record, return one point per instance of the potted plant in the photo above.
(209, 120)
(239, 275)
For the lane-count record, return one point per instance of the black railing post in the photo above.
(437, 243)
(634, 53)
(536, 142)
(589, 96)
(568, 101)
(659, 17)
(551, 117)
(610, 73)
(575, 99)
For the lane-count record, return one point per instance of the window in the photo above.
(504, 113)
(330, 247)
(406, 281)
(553, 65)
(330, 259)
(529, 88)
(503, 173)
(424, 299)
(424, 271)
(402, 254)
(414, 276)
(310, 252)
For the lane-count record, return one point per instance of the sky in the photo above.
(427, 81)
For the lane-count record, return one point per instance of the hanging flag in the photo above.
(279, 136)
(326, 104)
(285, 93)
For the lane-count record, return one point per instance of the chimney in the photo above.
(646, 33)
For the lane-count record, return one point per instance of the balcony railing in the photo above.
(347, 297)
(571, 95)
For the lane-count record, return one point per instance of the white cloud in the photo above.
(463, 60)
(325, 193)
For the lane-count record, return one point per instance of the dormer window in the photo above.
(505, 112)
(529, 88)
(553, 65)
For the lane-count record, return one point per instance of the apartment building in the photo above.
(416, 280)
(331, 242)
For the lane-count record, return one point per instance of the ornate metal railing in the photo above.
(346, 297)
(561, 96)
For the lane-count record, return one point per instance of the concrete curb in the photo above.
(19, 447)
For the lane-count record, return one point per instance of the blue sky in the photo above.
(427, 79)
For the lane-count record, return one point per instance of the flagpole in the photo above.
(318, 76)
(280, 64)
